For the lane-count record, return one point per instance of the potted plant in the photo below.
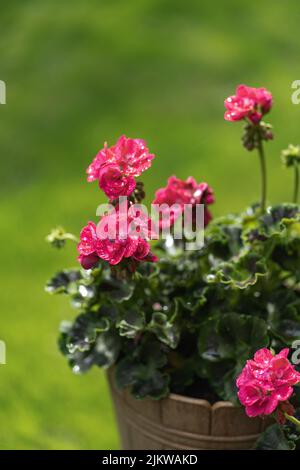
(175, 326)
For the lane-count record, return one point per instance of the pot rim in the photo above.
(200, 402)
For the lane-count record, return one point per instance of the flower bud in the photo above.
(58, 236)
(291, 155)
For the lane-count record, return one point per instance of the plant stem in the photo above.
(263, 169)
(296, 184)
(292, 419)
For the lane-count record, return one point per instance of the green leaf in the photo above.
(209, 341)
(61, 281)
(284, 315)
(117, 290)
(233, 336)
(273, 438)
(166, 331)
(224, 346)
(132, 322)
(143, 380)
(275, 222)
(241, 272)
(103, 352)
(107, 348)
(141, 371)
(223, 237)
(241, 335)
(84, 331)
(88, 341)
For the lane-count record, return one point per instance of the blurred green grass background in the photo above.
(79, 73)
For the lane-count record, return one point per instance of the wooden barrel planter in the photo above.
(179, 422)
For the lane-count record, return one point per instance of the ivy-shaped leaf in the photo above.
(241, 335)
(241, 272)
(103, 352)
(284, 315)
(164, 329)
(224, 346)
(223, 237)
(84, 331)
(273, 438)
(275, 222)
(131, 323)
(60, 282)
(117, 290)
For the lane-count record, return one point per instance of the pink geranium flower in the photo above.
(257, 399)
(126, 220)
(143, 253)
(113, 182)
(266, 381)
(87, 247)
(114, 251)
(133, 156)
(177, 193)
(115, 167)
(120, 235)
(248, 102)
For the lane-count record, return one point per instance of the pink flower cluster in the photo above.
(115, 167)
(248, 102)
(178, 192)
(120, 235)
(116, 239)
(266, 382)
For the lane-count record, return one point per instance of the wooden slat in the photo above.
(186, 414)
(228, 420)
(146, 407)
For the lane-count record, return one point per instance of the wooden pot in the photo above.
(180, 422)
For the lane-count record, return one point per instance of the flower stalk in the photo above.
(296, 184)
(292, 419)
(263, 169)
(253, 138)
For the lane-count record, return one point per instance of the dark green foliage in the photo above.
(193, 317)
(276, 437)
